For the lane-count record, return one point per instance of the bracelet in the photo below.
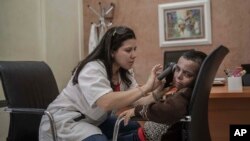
(155, 96)
(142, 92)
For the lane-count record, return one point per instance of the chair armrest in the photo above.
(116, 128)
(25, 110)
(117, 125)
(184, 119)
(36, 111)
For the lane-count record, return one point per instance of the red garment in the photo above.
(171, 90)
(141, 134)
(117, 87)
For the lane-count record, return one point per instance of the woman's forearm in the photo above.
(116, 100)
(145, 100)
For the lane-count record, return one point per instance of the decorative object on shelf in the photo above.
(184, 23)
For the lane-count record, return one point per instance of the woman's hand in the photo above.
(127, 115)
(152, 82)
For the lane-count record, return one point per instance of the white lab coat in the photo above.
(93, 38)
(80, 98)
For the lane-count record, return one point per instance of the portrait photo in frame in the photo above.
(184, 23)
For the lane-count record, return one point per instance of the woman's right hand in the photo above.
(152, 82)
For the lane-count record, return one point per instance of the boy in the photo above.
(173, 107)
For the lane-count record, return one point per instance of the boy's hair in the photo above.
(196, 56)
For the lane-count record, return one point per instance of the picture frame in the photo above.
(185, 23)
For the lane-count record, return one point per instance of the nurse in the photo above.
(101, 83)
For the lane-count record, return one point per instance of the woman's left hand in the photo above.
(127, 115)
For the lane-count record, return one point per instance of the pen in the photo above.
(227, 72)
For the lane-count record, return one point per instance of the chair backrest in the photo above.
(246, 67)
(27, 84)
(246, 79)
(198, 129)
(173, 56)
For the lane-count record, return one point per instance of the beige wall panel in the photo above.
(44, 30)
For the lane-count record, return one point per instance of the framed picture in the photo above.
(184, 23)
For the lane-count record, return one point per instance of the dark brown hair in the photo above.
(111, 41)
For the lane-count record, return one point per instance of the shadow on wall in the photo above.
(4, 117)
(4, 122)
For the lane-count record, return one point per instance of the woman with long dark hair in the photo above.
(101, 83)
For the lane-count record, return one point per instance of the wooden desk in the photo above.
(222, 92)
(227, 108)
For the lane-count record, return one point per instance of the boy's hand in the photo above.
(127, 115)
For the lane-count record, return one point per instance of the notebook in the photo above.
(219, 81)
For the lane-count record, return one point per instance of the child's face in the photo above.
(185, 73)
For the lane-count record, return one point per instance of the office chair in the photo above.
(246, 80)
(195, 123)
(196, 128)
(172, 56)
(246, 77)
(29, 87)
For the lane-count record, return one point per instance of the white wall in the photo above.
(20, 28)
(64, 39)
(46, 30)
